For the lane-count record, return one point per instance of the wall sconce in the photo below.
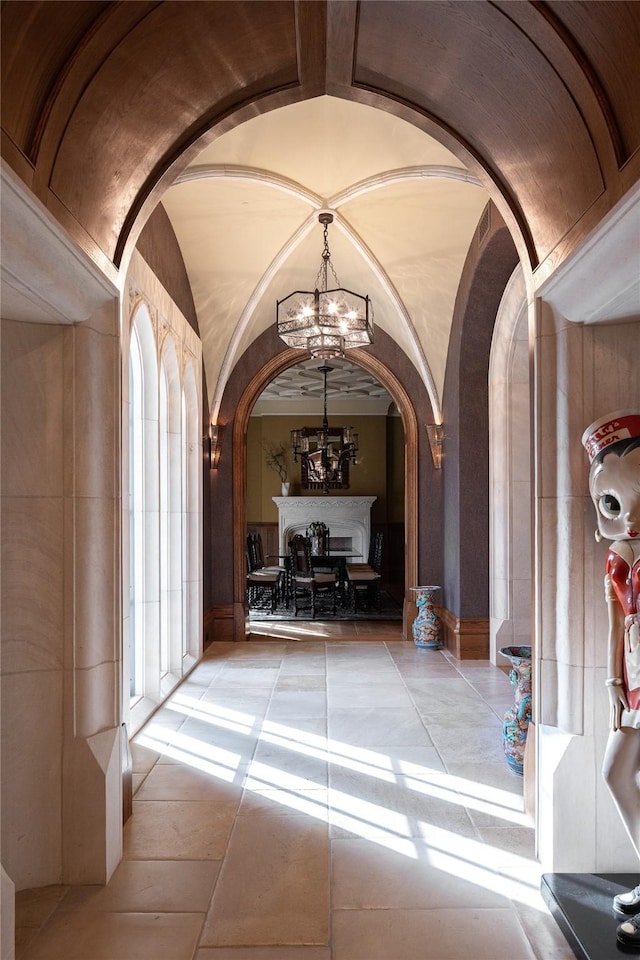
(435, 432)
(212, 445)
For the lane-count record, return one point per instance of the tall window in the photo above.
(136, 571)
(161, 562)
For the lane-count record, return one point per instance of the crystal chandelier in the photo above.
(326, 322)
(325, 452)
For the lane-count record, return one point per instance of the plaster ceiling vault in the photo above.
(245, 213)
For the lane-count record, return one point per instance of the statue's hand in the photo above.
(617, 703)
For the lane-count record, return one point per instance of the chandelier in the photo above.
(326, 322)
(325, 452)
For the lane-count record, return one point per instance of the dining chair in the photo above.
(305, 580)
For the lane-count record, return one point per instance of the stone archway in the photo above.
(396, 390)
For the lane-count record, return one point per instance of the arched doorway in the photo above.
(278, 485)
(396, 390)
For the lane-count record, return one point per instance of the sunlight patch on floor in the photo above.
(461, 856)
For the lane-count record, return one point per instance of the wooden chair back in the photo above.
(300, 551)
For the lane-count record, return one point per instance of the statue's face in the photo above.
(615, 491)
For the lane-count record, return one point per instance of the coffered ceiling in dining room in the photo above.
(245, 213)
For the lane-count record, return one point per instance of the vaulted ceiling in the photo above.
(245, 118)
(245, 213)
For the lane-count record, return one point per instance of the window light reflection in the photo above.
(508, 874)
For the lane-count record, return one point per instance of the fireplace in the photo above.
(348, 520)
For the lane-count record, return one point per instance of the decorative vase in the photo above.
(286, 486)
(317, 546)
(516, 720)
(426, 626)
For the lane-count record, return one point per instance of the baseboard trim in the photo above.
(466, 638)
(217, 623)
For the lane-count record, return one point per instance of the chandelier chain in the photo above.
(328, 320)
(323, 273)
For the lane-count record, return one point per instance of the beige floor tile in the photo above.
(117, 936)
(484, 934)
(177, 830)
(296, 665)
(366, 876)
(345, 694)
(281, 764)
(418, 762)
(285, 802)
(156, 886)
(193, 687)
(245, 674)
(384, 630)
(252, 705)
(274, 885)
(178, 781)
(263, 953)
(34, 907)
(230, 734)
(290, 704)
(476, 776)
(408, 651)
(270, 650)
(421, 670)
(357, 651)
(460, 744)
(300, 682)
(244, 789)
(377, 727)
(136, 781)
(542, 930)
(143, 758)
(399, 808)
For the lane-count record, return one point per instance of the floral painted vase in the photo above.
(427, 630)
(516, 720)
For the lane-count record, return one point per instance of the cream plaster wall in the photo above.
(583, 372)
(60, 510)
(511, 508)
(60, 631)
(33, 520)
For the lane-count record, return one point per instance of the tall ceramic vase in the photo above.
(427, 630)
(516, 720)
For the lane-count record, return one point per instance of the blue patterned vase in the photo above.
(426, 626)
(516, 720)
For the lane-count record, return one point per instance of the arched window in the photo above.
(171, 512)
(136, 572)
(162, 567)
(192, 537)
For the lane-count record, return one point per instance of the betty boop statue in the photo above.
(613, 446)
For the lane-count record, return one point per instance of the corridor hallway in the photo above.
(325, 793)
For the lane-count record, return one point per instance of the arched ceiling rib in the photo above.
(272, 202)
(204, 172)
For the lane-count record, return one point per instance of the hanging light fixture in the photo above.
(326, 322)
(325, 452)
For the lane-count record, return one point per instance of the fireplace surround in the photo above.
(348, 520)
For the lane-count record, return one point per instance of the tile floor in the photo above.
(322, 793)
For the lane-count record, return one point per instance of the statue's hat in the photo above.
(622, 425)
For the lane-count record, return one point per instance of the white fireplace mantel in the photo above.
(344, 516)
